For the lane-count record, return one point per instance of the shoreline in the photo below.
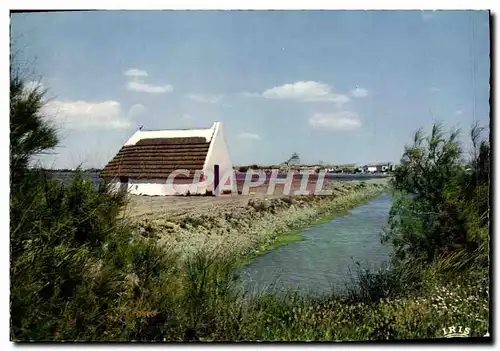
(294, 235)
(242, 228)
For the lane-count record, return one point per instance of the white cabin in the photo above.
(173, 162)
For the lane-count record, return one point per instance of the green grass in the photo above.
(285, 239)
(280, 240)
(295, 317)
(330, 217)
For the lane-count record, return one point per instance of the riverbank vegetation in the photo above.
(251, 227)
(81, 270)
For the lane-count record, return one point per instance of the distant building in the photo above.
(371, 169)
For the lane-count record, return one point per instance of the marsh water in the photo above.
(326, 257)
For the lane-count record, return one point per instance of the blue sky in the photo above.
(336, 86)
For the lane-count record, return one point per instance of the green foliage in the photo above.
(77, 270)
(440, 206)
(71, 262)
(30, 133)
(369, 285)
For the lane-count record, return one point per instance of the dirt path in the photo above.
(176, 206)
(179, 205)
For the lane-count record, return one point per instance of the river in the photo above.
(324, 258)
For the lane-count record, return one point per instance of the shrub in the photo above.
(372, 284)
(435, 212)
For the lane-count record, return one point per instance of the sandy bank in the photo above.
(239, 225)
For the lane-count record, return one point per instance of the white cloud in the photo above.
(459, 112)
(86, 114)
(136, 85)
(248, 136)
(309, 91)
(338, 121)
(206, 98)
(134, 72)
(434, 89)
(359, 92)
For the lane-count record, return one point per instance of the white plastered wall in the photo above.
(159, 187)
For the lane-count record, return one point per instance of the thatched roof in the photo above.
(157, 158)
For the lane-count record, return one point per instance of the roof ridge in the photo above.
(173, 130)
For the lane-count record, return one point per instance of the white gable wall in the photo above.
(218, 153)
